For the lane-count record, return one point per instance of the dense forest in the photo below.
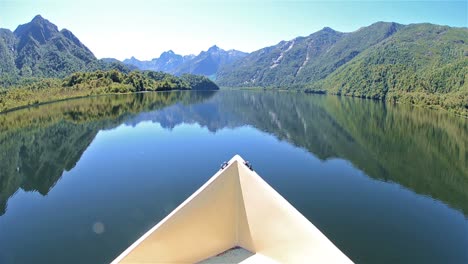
(30, 92)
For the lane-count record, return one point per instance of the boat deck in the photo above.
(233, 255)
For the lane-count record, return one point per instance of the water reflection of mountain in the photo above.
(425, 151)
(39, 144)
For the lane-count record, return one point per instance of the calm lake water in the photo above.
(81, 180)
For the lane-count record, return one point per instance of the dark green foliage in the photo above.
(198, 82)
(107, 65)
(7, 53)
(116, 82)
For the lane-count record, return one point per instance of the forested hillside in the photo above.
(421, 64)
(99, 82)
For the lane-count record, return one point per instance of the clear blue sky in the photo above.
(144, 29)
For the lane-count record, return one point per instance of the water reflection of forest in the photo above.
(423, 150)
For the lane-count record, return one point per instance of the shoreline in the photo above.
(9, 110)
(399, 102)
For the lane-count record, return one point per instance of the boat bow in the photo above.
(234, 208)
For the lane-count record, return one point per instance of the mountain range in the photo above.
(167, 62)
(206, 63)
(417, 63)
(422, 64)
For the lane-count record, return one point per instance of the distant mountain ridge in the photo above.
(206, 63)
(167, 62)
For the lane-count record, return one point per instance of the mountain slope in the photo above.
(344, 50)
(7, 52)
(421, 64)
(303, 59)
(39, 49)
(277, 64)
(44, 51)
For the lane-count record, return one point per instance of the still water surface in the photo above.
(81, 180)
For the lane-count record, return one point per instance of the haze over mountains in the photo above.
(167, 62)
(206, 63)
